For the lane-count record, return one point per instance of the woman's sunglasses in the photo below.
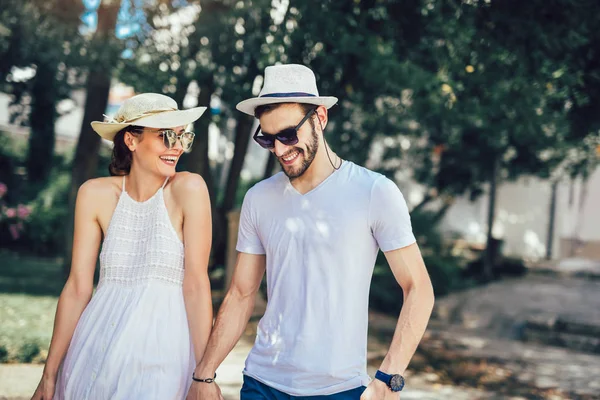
(170, 139)
(288, 136)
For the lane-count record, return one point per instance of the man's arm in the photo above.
(231, 321)
(410, 273)
(409, 270)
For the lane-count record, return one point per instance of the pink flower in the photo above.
(3, 189)
(23, 211)
(11, 212)
(14, 231)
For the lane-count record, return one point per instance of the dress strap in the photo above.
(164, 184)
(124, 182)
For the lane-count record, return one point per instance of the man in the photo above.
(316, 229)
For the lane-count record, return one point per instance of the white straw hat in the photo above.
(290, 83)
(151, 110)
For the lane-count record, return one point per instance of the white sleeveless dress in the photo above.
(132, 341)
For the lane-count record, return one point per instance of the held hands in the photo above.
(45, 389)
(204, 389)
(378, 390)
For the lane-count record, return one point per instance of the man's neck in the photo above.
(320, 169)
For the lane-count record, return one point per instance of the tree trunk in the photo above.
(43, 116)
(491, 248)
(181, 91)
(551, 220)
(197, 161)
(85, 162)
(242, 137)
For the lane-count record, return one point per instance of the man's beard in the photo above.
(308, 157)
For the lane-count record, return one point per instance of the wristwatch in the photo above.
(395, 382)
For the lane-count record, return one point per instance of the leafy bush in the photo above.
(503, 267)
(444, 268)
(10, 159)
(38, 227)
(33, 217)
(44, 233)
(28, 352)
(3, 354)
(12, 219)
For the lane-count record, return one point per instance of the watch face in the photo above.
(396, 383)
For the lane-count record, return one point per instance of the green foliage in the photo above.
(470, 85)
(502, 267)
(3, 354)
(35, 226)
(245, 185)
(28, 352)
(10, 158)
(39, 210)
(44, 230)
(41, 36)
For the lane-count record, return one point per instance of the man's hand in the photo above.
(204, 391)
(378, 390)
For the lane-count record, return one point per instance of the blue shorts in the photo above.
(255, 390)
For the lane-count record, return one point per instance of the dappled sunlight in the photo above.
(445, 99)
(294, 225)
(522, 219)
(535, 248)
(269, 334)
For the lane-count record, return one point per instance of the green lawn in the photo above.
(29, 289)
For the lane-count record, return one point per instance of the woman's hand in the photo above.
(45, 390)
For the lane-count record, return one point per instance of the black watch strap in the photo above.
(207, 380)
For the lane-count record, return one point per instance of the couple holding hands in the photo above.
(314, 228)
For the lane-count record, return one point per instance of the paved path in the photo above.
(18, 381)
(479, 327)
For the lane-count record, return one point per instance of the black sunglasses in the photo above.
(288, 136)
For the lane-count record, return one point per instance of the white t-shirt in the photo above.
(320, 251)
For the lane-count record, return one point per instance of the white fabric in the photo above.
(320, 249)
(132, 341)
(289, 81)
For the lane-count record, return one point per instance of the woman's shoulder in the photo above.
(189, 190)
(100, 188)
(184, 183)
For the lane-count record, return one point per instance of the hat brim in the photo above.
(167, 119)
(248, 106)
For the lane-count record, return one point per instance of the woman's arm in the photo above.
(197, 237)
(77, 291)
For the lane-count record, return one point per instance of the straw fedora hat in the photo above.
(289, 83)
(151, 110)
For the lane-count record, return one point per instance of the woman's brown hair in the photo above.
(120, 163)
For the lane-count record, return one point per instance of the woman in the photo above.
(142, 333)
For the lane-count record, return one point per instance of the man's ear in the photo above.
(322, 116)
